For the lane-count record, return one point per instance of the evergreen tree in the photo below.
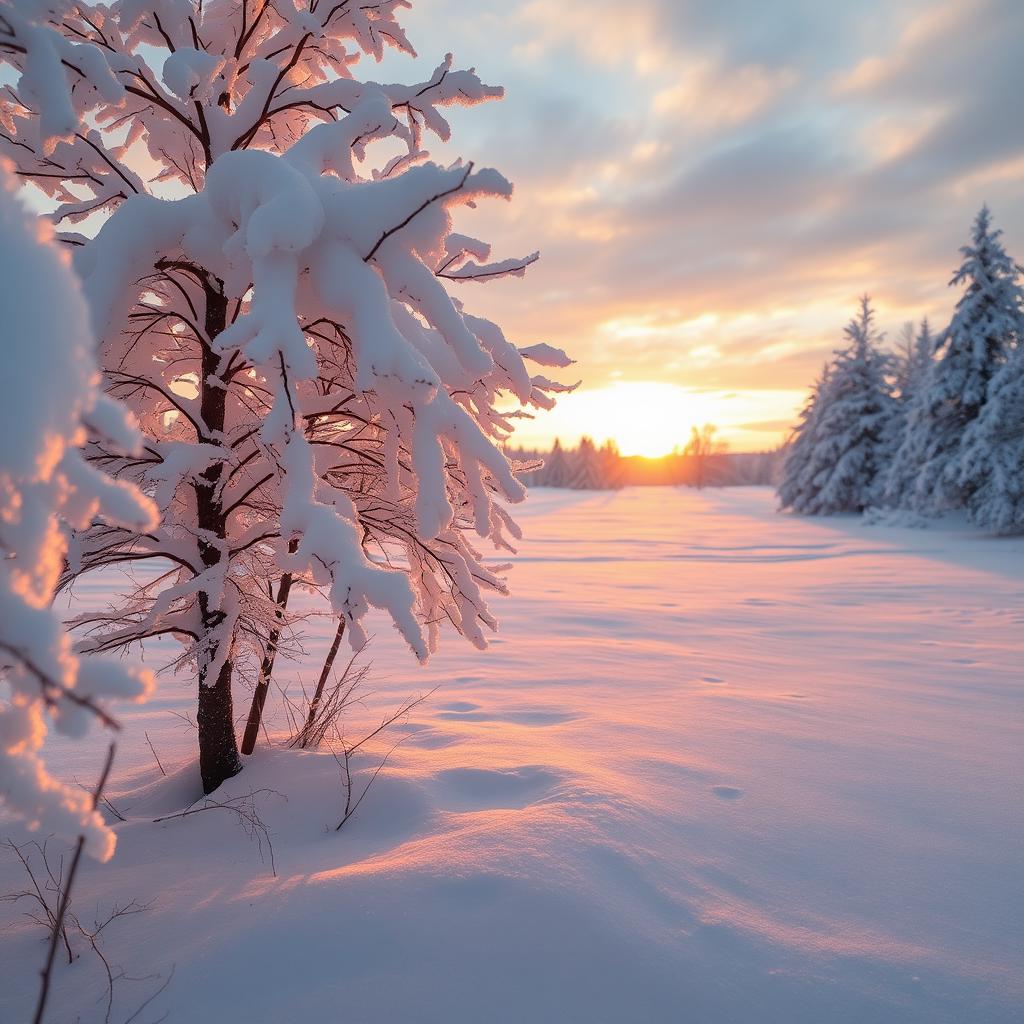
(914, 359)
(795, 490)
(612, 469)
(556, 471)
(992, 453)
(587, 475)
(851, 438)
(986, 326)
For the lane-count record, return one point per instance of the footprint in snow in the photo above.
(481, 789)
(463, 711)
(458, 706)
(727, 792)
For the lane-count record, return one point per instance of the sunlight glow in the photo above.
(651, 418)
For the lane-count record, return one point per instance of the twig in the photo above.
(152, 997)
(254, 825)
(408, 706)
(129, 908)
(156, 757)
(106, 803)
(62, 907)
(325, 672)
(56, 885)
(92, 935)
(350, 810)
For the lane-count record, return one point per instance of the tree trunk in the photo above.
(218, 754)
(314, 704)
(218, 749)
(259, 697)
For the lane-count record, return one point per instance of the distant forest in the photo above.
(704, 462)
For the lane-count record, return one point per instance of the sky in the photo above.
(712, 185)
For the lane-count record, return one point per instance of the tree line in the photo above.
(703, 462)
(936, 425)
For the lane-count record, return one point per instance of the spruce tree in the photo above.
(587, 475)
(795, 487)
(992, 453)
(986, 326)
(612, 470)
(556, 471)
(916, 364)
(851, 440)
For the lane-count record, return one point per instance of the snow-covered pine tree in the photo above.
(587, 475)
(612, 469)
(48, 398)
(913, 358)
(987, 325)
(913, 362)
(991, 455)
(273, 307)
(796, 487)
(852, 432)
(557, 470)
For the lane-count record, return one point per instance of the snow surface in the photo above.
(721, 764)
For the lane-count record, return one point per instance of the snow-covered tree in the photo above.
(612, 470)
(48, 399)
(913, 358)
(557, 470)
(587, 469)
(700, 451)
(913, 364)
(796, 485)
(272, 305)
(991, 455)
(850, 440)
(987, 326)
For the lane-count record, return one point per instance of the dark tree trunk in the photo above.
(218, 749)
(259, 697)
(218, 753)
(314, 704)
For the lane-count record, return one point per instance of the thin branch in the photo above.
(62, 907)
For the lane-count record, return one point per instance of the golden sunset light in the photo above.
(652, 419)
(547, 475)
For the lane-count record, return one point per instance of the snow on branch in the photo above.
(270, 303)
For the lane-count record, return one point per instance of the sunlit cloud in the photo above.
(711, 186)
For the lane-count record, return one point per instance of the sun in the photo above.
(652, 418)
(645, 418)
(642, 417)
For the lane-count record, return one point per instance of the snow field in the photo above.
(720, 765)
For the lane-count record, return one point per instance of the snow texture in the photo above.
(760, 768)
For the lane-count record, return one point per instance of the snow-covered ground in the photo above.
(720, 765)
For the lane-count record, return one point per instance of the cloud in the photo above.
(712, 185)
